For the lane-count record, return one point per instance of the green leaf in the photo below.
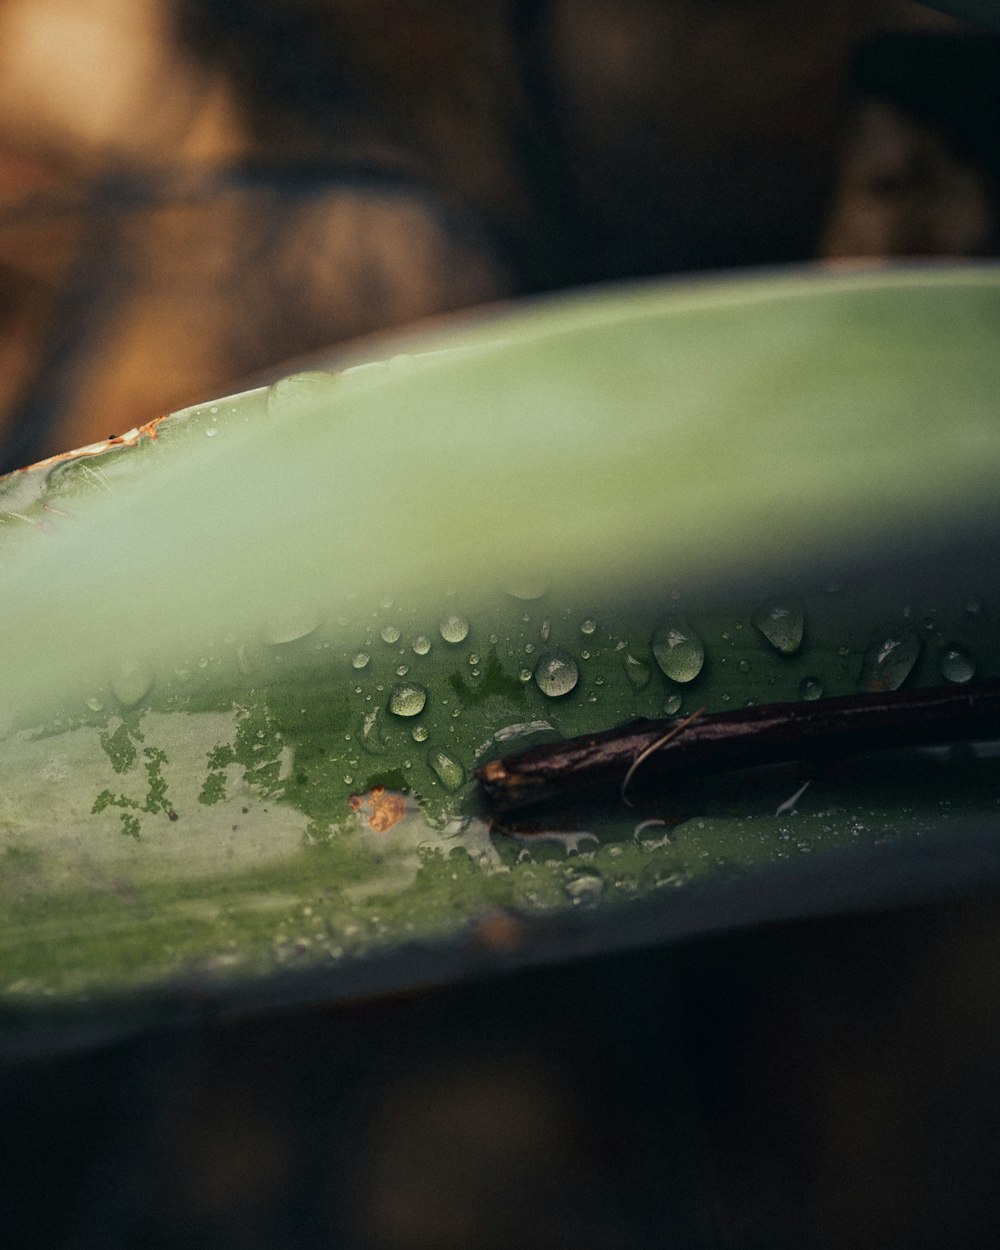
(249, 663)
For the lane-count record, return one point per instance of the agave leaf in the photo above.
(252, 653)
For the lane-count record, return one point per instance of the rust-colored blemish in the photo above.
(381, 808)
(128, 439)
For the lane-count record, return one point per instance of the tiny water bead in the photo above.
(672, 704)
(448, 770)
(402, 670)
(889, 660)
(360, 659)
(473, 659)
(524, 674)
(421, 644)
(810, 688)
(556, 674)
(454, 628)
(782, 624)
(419, 733)
(290, 626)
(588, 626)
(678, 650)
(389, 633)
(131, 679)
(638, 673)
(406, 698)
(957, 665)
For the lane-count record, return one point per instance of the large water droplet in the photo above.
(556, 673)
(810, 688)
(890, 659)
(421, 644)
(300, 392)
(131, 679)
(957, 664)
(585, 888)
(678, 649)
(389, 633)
(406, 698)
(448, 770)
(638, 673)
(781, 624)
(360, 659)
(454, 628)
(290, 626)
(525, 587)
(420, 733)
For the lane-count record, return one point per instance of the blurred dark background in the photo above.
(824, 1083)
(193, 192)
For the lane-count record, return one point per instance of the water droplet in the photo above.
(454, 628)
(448, 770)
(525, 588)
(131, 679)
(290, 627)
(672, 704)
(957, 665)
(473, 659)
(95, 704)
(389, 633)
(211, 431)
(419, 733)
(421, 644)
(744, 666)
(524, 674)
(781, 624)
(545, 630)
(810, 688)
(556, 674)
(402, 670)
(678, 649)
(372, 737)
(360, 659)
(584, 889)
(638, 673)
(407, 699)
(890, 659)
(299, 392)
(588, 626)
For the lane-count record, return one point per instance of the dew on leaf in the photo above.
(957, 665)
(781, 624)
(556, 674)
(584, 889)
(299, 391)
(421, 644)
(637, 672)
(131, 679)
(889, 660)
(454, 628)
(588, 626)
(672, 704)
(810, 688)
(389, 633)
(448, 770)
(678, 649)
(419, 733)
(360, 659)
(407, 699)
(525, 588)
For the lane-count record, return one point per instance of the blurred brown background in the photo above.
(194, 191)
